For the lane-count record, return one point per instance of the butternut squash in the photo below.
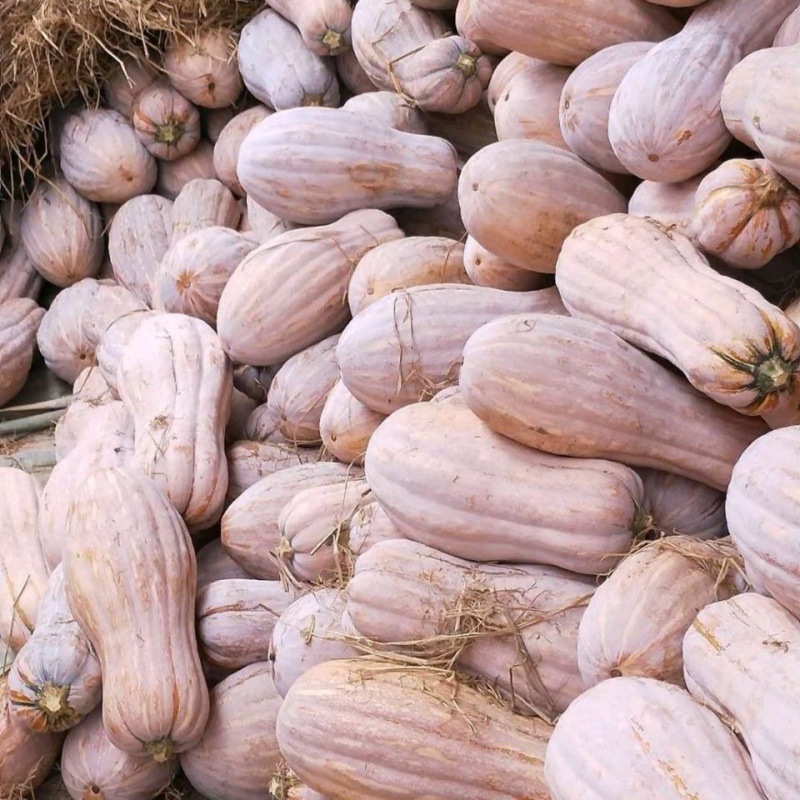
(226, 148)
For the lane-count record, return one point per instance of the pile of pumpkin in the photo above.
(351, 501)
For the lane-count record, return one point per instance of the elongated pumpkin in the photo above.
(445, 478)
(741, 659)
(486, 269)
(346, 425)
(20, 320)
(352, 162)
(369, 526)
(18, 277)
(55, 680)
(174, 175)
(145, 561)
(511, 379)
(203, 204)
(250, 461)
(395, 110)
(290, 293)
(90, 394)
(672, 205)
(226, 148)
(520, 199)
(176, 382)
(746, 360)
(635, 724)
(324, 25)
(736, 91)
(114, 340)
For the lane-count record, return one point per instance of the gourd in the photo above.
(352, 74)
(736, 91)
(789, 32)
(509, 66)
(346, 425)
(369, 526)
(90, 393)
(174, 175)
(114, 340)
(324, 25)
(167, 124)
(249, 462)
(264, 224)
(671, 205)
(394, 110)
(486, 269)
(125, 83)
(203, 204)
(262, 425)
(226, 148)
(18, 277)
(20, 320)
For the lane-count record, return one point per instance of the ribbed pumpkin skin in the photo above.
(408, 49)
(250, 529)
(174, 175)
(114, 340)
(486, 269)
(124, 84)
(388, 107)
(90, 395)
(665, 122)
(456, 740)
(238, 754)
(310, 631)
(167, 124)
(23, 569)
(636, 620)
(520, 199)
(76, 320)
(204, 70)
(403, 592)
(763, 513)
(413, 261)
(203, 204)
(145, 545)
(55, 679)
(90, 761)
(408, 345)
(176, 382)
(26, 758)
(226, 148)
(346, 425)
(741, 659)
(681, 505)
(18, 277)
(102, 157)
(139, 235)
(369, 526)
(635, 724)
(235, 618)
(62, 233)
(445, 479)
(670, 204)
(249, 462)
(214, 564)
(194, 271)
(568, 33)
(290, 293)
(619, 406)
(789, 32)
(747, 213)
(585, 103)
(278, 68)
(352, 162)
(736, 90)
(323, 24)
(528, 107)
(20, 320)
(747, 364)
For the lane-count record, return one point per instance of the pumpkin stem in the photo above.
(467, 65)
(311, 100)
(772, 374)
(160, 750)
(93, 793)
(332, 40)
(52, 702)
(169, 132)
(769, 191)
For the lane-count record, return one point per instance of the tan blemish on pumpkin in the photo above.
(683, 136)
(373, 177)
(434, 754)
(184, 281)
(708, 635)
(677, 781)
(652, 157)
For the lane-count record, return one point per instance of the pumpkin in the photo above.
(467, 132)
(486, 269)
(176, 382)
(18, 277)
(89, 393)
(90, 420)
(254, 381)
(444, 478)
(619, 406)
(114, 340)
(352, 74)
(568, 33)
(299, 390)
(762, 513)
(290, 293)
(789, 32)
(203, 204)
(102, 157)
(314, 527)
(498, 622)
(238, 754)
(408, 344)
(214, 564)
(279, 69)
(369, 526)
(166, 122)
(250, 529)
(635, 724)
(672, 205)
(138, 238)
(520, 199)
(393, 109)
(467, 27)
(310, 631)
(124, 84)
(528, 106)
(235, 618)
(264, 224)
(342, 721)
(741, 661)
(746, 360)
(736, 90)
(413, 261)
(262, 425)
(346, 425)
(369, 164)
(55, 679)
(204, 70)
(174, 175)
(19, 321)
(323, 24)
(585, 102)
(509, 66)
(92, 767)
(226, 148)
(407, 49)
(636, 619)
(194, 271)
(250, 461)
(123, 534)
(665, 122)
(71, 329)
(747, 213)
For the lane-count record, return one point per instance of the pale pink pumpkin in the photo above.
(125, 83)
(20, 321)
(226, 147)
(203, 204)
(166, 122)
(174, 175)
